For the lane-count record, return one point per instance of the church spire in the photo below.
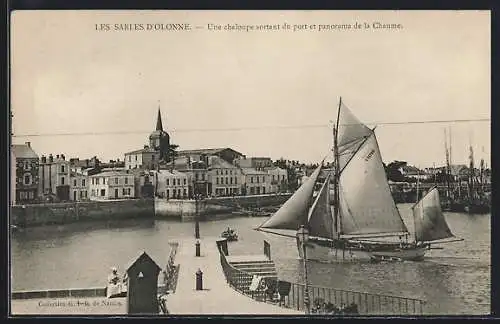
(159, 126)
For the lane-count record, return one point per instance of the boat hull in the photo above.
(322, 253)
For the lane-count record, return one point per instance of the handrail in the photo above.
(324, 300)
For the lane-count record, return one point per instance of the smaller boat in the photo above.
(230, 235)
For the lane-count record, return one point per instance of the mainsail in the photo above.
(294, 212)
(320, 215)
(366, 194)
(430, 224)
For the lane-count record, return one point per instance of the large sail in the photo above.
(366, 196)
(351, 135)
(320, 214)
(294, 212)
(430, 224)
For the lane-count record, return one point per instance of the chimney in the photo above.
(28, 144)
(57, 156)
(63, 157)
(44, 159)
(51, 158)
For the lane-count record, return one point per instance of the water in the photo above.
(455, 280)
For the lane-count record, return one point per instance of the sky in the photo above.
(82, 91)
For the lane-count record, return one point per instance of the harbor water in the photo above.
(453, 280)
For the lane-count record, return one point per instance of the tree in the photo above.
(172, 154)
(393, 173)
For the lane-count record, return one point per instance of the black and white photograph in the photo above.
(295, 163)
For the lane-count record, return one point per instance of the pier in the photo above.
(216, 297)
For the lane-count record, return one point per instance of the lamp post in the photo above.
(303, 236)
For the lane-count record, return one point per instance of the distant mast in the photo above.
(336, 199)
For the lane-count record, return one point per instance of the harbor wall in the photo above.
(70, 212)
(186, 209)
(63, 213)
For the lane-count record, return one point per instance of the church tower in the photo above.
(159, 140)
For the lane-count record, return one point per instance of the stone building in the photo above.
(197, 173)
(225, 177)
(258, 163)
(172, 184)
(54, 178)
(278, 178)
(111, 185)
(24, 170)
(150, 155)
(256, 182)
(78, 186)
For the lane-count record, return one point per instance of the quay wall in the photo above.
(186, 209)
(70, 212)
(63, 213)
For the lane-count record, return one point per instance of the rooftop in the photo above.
(143, 150)
(207, 151)
(252, 171)
(23, 151)
(111, 173)
(219, 163)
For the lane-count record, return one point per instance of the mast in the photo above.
(336, 199)
(416, 202)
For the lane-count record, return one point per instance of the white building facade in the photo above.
(111, 185)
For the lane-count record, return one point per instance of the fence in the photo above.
(323, 300)
(170, 271)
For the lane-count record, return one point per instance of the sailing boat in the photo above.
(343, 222)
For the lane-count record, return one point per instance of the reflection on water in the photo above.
(455, 280)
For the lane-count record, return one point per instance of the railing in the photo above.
(323, 300)
(170, 271)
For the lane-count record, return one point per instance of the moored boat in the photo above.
(230, 235)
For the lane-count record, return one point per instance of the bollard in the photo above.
(199, 280)
(197, 248)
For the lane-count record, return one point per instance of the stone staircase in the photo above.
(264, 269)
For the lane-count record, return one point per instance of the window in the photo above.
(231, 172)
(116, 180)
(257, 179)
(104, 181)
(96, 181)
(185, 192)
(103, 192)
(126, 180)
(130, 158)
(179, 183)
(263, 179)
(26, 165)
(203, 176)
(168, 193)
(227, 181)
(217, 172)
(93, 182)
(273, 177)
(136, 157)
(128, 191)
(27, 179)
(226, 171)
(168, 183)
(92, 193)
(185, 181)
(124, 192)
(74, 183)
(83, 182)
(251, 179)
(217, 180)
(235, 180)
(231, 180)
(31, 194)
(62, 180)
